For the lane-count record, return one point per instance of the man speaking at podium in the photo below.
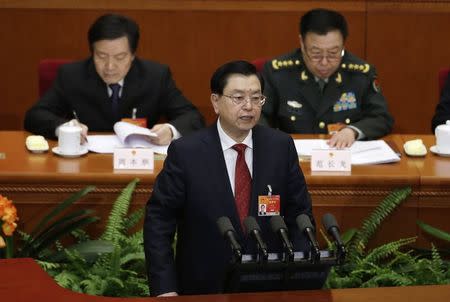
(228, 169)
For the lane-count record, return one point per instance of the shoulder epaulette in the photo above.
(281, 64)
(363, 68)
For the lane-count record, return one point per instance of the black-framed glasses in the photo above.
(257, 100)
(318, 56)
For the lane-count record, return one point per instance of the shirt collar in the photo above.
(227, 142)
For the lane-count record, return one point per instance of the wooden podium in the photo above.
(22, 280)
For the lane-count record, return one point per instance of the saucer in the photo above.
(83, 151)
(435, 150)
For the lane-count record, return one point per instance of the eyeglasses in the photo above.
(240, 100)
(319, 56)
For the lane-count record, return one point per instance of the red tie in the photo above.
(242, 183)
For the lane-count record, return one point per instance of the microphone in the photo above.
(253, 230)
(227, 230)
(306, 227)
(330, 224)
(279, 227)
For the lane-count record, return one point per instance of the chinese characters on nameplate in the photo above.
(133, 159)
(331, 160)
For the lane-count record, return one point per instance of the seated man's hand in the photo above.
(164, 134)
(343, 138)
(84, 129)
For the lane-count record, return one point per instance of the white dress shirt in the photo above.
(230, 154)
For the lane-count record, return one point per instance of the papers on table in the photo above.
(127, 135)
(363, 152)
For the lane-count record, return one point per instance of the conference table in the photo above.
(22, 280)
(36, 182)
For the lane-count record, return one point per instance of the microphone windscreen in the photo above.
(304, 222)
(277, 223)
(328, 221)
(251, 224)
(224, 225)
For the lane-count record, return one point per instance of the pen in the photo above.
(83, 137)
(75, 116)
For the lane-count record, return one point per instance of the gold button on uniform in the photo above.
(293, 118)
(321, 125)
(347, 121)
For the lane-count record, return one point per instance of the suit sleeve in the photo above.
(298, 201)
(376, 121)
(442, 113)
(49, 112)
(181, 113)
(160, 225)
(270, 108)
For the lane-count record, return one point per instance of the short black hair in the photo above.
(321, 21)
(220, 77)
(113, 26)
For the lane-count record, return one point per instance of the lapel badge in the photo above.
(294, 106)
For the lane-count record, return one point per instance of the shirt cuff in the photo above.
(361, 134)
(175, 133)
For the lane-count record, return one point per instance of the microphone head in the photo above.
(224, 225)
(277, 223)
(251, 224)
(328, 221)
(304, 222)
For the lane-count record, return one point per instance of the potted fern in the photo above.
(389, 264)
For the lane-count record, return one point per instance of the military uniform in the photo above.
(295, 103)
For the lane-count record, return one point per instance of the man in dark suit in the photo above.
(202, 180)
(113, 84)
(442, 113)
(321, 88)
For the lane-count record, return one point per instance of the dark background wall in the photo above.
(407, 41)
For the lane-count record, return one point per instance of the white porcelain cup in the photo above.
(442, 133)
(69, 140)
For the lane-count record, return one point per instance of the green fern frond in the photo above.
(389, 278)
(436, 260)
(132, 257)
(133, 219)
(47, 266)
(386, 250)
(371, 224)
(327, 241)
(114, 225)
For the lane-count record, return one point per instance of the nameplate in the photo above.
(331, 160)
(133, 159)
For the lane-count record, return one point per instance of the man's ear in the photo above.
(300, 39)
(214, 101)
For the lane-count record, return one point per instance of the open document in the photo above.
(363, 152)
(126, 135)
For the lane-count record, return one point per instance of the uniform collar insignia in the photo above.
(304, 76)
(338, 78)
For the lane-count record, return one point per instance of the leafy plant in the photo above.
(119, 271)
(388, 264)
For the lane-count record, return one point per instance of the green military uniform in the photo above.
(295, 103)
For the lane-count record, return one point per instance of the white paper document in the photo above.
(127, 135)
(362, 152)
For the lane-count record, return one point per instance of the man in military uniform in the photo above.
(321, 88)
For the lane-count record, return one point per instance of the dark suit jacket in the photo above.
(148, 87)
(193, 190)
(442, 113)
(295, 103)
